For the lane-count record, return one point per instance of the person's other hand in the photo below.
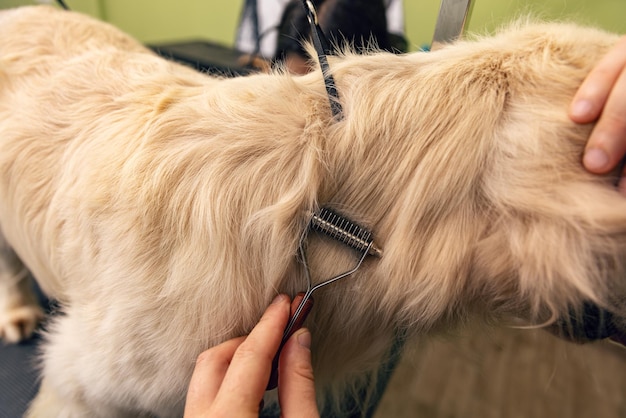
(229, 380)
(602, 97)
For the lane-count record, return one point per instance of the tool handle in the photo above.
(306, 308)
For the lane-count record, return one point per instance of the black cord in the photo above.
(62, 4)
(250, 10)
(254, 10)
(322, 47)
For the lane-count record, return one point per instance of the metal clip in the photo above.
(451, 21)
(312, 13)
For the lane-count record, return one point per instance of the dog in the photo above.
(163, 208)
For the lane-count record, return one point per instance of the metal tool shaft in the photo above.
(452, 19)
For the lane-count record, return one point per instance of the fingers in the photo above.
(273, 380)
(230, 379)
(211, 367)
(594, 92)
(607, 144)
(296, 388)
(603, 95)
(245, 381)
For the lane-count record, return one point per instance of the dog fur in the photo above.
(162, 207)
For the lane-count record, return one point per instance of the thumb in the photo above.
(296, 387)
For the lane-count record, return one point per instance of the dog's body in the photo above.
(163, 208)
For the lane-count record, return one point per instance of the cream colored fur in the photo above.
(163, 207)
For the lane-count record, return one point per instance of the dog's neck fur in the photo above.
(456, 202)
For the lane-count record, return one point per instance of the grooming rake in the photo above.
(325, 221)
(340, 229)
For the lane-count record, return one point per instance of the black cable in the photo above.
(250, 9)
(322, 47)
(62, 4)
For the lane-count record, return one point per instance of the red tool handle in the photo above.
(306, 308)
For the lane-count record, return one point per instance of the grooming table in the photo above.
(18, 372)
(18, 378)
(205, 56)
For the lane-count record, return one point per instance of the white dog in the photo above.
(163, 208)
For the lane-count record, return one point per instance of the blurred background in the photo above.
(155, 21)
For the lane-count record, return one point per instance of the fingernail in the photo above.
(581, 108)
(278, 298)
(304, 338)
(595, 159)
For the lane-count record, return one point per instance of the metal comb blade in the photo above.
(341, 229)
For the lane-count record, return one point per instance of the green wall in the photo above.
(158, 20)
(91, 7)
(490, 14)
(162, 20)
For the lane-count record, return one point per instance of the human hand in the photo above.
(602, 97)
(229, 379)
